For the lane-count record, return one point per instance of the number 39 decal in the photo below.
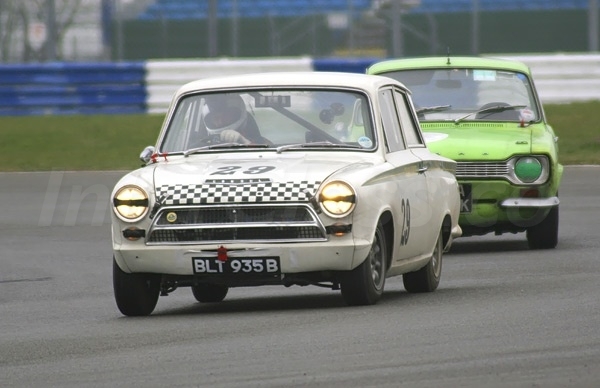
(230, 170)
(405, 208)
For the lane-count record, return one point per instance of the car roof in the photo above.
(448, 62)
(290, 79)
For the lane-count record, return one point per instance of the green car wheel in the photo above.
(545, 234)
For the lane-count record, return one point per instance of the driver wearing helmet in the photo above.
(226, 117)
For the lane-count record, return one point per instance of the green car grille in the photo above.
(482, 170)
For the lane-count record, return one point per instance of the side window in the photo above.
(186, 123)
(407, 120)
(389, 117)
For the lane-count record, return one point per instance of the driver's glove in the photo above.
(231, 136)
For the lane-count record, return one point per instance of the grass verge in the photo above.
(113, 142)
(71, 143)
(577, 126)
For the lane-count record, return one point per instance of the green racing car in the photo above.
(486, 115)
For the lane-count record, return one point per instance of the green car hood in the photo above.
(477, 141)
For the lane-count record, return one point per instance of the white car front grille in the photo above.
(236, 223)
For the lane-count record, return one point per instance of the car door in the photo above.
(410, 185)
(430, 167)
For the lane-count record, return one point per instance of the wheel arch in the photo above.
(121, 262)
(387, 222)
(446, 231)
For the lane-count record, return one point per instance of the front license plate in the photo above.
(246, 265)
(466, 202)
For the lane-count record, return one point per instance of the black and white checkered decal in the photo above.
(236, 193)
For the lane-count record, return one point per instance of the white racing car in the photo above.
(284, 179)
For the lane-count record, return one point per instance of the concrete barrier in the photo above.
(564, 78)
(559, 78)
(163, 78)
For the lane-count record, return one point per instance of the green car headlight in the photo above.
(337, 199)
(528, 169)
(130, 203)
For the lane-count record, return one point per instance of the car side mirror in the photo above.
(146, 154)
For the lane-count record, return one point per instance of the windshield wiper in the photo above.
(326, 144)
(223, 146)
(437, 108)
(495, 108)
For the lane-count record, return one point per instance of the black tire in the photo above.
(136, 294)
(364, 284)
(209, 293)
(427, 278)
(545, 234)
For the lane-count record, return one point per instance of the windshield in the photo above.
(470, 94)
(278, 119)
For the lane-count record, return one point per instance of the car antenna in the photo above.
(448, 51)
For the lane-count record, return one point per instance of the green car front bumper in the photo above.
(501, 207)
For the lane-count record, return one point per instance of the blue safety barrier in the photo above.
(347, 65)
(72, 88)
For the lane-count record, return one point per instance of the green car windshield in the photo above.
(465, 94)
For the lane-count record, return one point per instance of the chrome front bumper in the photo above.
(529, 202)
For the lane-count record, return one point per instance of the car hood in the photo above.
(480, 141)
(247, 177)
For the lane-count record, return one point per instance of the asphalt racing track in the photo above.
(504, 316)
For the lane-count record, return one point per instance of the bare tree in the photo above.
(8, 26)
(17, 18)
(64, 20)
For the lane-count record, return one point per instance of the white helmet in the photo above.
(224, 111)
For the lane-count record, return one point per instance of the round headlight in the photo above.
(528, 169)
(130, 203)
(337, 199)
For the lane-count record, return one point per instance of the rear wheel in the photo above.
(209, 293)
(545, 234)
(364, 284)
(427, 278)
(136, 294)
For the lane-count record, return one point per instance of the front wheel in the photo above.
(136, 294)
(427, 278)
(209, 293)
(364, 284)
(545, 234)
